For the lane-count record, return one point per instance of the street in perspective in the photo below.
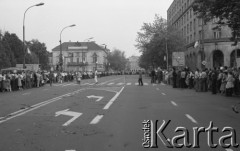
(103, 77)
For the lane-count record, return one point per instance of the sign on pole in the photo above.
(178, 59)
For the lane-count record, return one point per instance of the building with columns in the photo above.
(81, 56)
(205, 46)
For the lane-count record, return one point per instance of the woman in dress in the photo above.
(19, 81)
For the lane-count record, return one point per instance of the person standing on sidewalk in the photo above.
(51, 76)
(140, 82)
(95, 76)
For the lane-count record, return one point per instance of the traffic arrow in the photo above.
(75, 115)
(96, 97)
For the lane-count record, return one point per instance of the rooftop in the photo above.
(88, 45)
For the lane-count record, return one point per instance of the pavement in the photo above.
(109, 116)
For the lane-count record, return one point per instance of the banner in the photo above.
(178, 59)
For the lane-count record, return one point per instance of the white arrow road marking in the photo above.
(98, 97)
(173, 103)
(34, 107)
(110, 83)
(191, 118)
(96, 119)
(68, 113)
(129, 83)
(163, 94)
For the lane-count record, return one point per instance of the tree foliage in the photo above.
(226, 11)
(11, 51)
(39, 53)
(155, 41)
(117, 60)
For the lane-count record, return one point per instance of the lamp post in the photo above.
(24, 52)
(96, 65)
(60, 56)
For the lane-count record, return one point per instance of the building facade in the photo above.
(80, 56)
(205, 46)
(133, 64)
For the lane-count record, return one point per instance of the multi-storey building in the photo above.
(81, 56)
(133, 64)
(205, 45)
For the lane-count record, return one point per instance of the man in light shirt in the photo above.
(95, 76)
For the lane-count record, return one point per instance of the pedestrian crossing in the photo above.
(103, 84)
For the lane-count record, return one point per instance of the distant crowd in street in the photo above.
(222, 80)
(14, 81)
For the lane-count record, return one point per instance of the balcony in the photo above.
(79, 64)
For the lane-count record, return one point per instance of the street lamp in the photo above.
(24, 52)
(60, 56)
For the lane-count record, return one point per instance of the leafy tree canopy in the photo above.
(155, 41)
(117, 60)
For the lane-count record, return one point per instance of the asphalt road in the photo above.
(108, 117)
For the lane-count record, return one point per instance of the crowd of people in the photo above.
(14, 81)
(223, 80)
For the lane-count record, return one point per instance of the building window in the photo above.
(190, 13)
(187, 28)
(217, 34)
(77, 54)
(200, 34)
(94, 58)
(190, 26)
(194, 24)
(77, 60)
(83, 56)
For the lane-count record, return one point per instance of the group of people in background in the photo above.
(19, 80)
(223, 80)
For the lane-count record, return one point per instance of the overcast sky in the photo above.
(112, 22)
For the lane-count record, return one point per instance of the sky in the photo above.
(111, 22)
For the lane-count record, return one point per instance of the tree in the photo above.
(14, 45)
(153, 41)
(226, 11)
(38, 53)
(4, 59)
(117, 60)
